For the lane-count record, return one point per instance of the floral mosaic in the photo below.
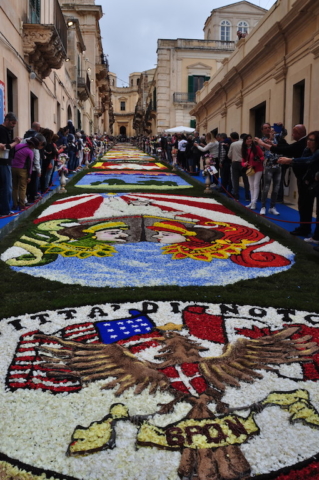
(129, 165)
(104, 391)
(115, 180)
(119, 240)
(126, 155)
(154, 390)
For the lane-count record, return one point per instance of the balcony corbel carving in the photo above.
(239, 101)
(103, 88)
(43, 47)
(101, 73)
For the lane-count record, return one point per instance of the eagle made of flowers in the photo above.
(210, 443)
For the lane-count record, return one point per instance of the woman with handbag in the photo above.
(211, 162)
(22, 164)
(252, 159)
(309, 187)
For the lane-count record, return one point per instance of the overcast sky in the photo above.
(130, 29)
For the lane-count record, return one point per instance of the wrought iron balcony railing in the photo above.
(84, 86)
(102, 60)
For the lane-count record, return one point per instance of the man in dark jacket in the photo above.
(196, 152)
(7, 142)
(225, 163)
(35, 128)
(305, 201)
(163, 144)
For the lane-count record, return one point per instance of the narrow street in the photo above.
(134, 280)
(159, 240)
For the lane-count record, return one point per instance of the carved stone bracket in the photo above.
(223, 111)
(43, 47)
(104, 88)
(280, 73)
(101, 73)
(314, 49)
(239, 101)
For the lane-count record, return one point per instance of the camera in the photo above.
(278, 128)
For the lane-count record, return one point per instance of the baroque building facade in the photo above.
(146, 103)
(52, 66)
(124, 100)
(184, 65)
(272, 76)
(224, 23)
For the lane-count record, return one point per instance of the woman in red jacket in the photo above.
(252, 157)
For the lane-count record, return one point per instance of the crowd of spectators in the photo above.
(261, 163)
(28, 170)
(27, 164)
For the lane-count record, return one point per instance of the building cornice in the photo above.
(91, 9)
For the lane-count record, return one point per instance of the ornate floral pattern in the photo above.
(134, 234)
(129, 165)
(123, 180)
(104, 391)
(60, 426)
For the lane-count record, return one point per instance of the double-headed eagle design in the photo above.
(240, 361)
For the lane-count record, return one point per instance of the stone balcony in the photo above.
(190, 44)
(101, 68)
(99, 109)
(45, 45)
(139, 111)
(84, 86)
(184, 97)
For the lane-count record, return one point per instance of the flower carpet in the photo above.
(123, 180)
(124, 238)
(178, 387)
(129, 166)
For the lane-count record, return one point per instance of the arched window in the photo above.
(243, 27)
(209, 35)
(138, 81)
(225, 31)
(131, 82)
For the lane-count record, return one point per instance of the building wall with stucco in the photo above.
(183, 66)
(177, 61)
(272, 76)
(42, 61)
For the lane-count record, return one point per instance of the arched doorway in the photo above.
(69, 113)
(123, 131)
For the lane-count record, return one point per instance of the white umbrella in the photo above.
(180, 129)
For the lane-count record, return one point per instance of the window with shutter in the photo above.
(35, 11)
(195, 83)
